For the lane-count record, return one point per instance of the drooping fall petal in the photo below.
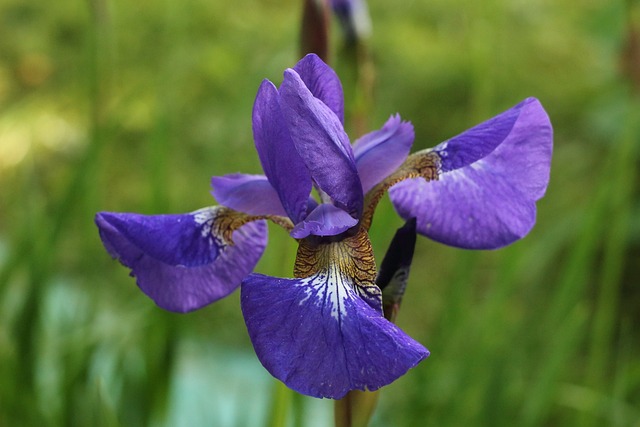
(489, 181)
(183, 262)
(320, 338)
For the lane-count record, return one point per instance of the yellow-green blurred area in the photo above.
(133, 106)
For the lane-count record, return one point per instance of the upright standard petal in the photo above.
(252, 194)
(282, 164)
(320, 338)
(379, 153)
(320, 140)
(183, 262)
(489, 183)
(322, 82)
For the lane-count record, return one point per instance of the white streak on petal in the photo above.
(329, 289)
(330, 343)
(204, 217)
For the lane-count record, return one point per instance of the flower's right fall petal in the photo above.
(489, 180)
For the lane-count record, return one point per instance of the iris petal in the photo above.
(177, 260)
(280, 161)
(379, 153)
(252, 194)
(320, 140)
(491, 177)
(479, 141)
(324, 220)
(322, 82)
(320, 338)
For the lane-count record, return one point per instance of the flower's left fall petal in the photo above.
(490, 179)
(251, 194)
(324, 220)
(320, 140)
(322, 82)
(319, 338)
(379, 153)
(182, 262)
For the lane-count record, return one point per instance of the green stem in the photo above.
(356, 408)
(281, 407)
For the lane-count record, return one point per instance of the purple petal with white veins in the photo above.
(251, 194)
(381, 152)
(322, 82)
(204, 270)
(490, 201)
(320, 140)
(319, 338)
(281, 163)
(324, 220)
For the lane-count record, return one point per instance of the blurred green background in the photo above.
(132, 106)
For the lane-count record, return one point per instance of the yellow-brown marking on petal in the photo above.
(227, 220)
(425, 164)
(351, 256)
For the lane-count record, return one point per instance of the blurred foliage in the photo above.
(132, 106)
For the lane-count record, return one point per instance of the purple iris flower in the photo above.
(323, 332)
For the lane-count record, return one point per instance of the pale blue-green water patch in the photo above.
(216, 386)
(209, 384)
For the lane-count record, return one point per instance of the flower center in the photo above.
(350, 258)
